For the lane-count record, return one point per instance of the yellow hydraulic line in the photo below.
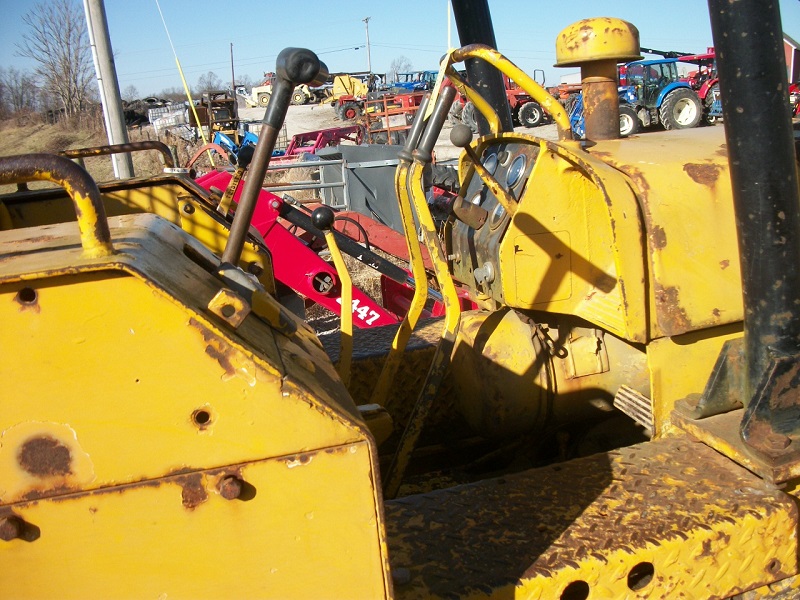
(346, 338)
(533, 89)
(409, 322)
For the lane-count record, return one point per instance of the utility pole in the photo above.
(369, 58)
(233, 77)
(113, 116)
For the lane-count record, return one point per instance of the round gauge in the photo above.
(516, 170)
(497, 216)
(477, 198)
(490, 163)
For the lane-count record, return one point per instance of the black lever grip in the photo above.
(412, 139)
(424, 153)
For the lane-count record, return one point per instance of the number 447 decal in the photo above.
(365, 313)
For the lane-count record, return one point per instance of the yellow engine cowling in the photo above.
(151, 448)
(614, 236)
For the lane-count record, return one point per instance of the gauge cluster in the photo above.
(475, 252)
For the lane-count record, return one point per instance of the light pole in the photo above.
(369, 58)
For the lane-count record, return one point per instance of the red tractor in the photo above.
(525, 111)
(705, 82)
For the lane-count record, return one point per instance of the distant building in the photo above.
(791, 51)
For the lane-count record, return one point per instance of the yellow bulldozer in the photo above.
(618, 419)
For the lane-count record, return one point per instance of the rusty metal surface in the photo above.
(694, 263)
(575, 521)
(779, 458)
(89, 209)
(161, 147)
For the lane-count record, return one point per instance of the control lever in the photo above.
(395, 357)
(461, 136)
(294, 66)
(243, 159)
(423, 156)
(322, 218)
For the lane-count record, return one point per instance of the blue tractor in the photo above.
(417, 81)
(650, 92)
(654, 90)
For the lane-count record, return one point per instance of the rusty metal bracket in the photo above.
(772, 417)
(724, 388)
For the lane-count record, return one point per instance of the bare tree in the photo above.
(174, 94)
(399, 65)
(208, 82)
(245, 81)
(130, 93)
(58, 41)
(19, 90)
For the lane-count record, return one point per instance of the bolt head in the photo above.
(230, 488)
(10, 528)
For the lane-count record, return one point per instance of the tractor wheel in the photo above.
(454, 116)
(681, 109)
(298, 98)
(444, 177)
(530, 114)
(628, 121)
(263, 99)
(349, 111)
(469, 118)
(711, 95)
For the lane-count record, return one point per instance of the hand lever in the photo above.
(294, 66)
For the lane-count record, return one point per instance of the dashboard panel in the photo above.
(475, 249)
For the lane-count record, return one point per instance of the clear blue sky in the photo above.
(203, 30)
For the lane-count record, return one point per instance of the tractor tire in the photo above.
(469, 117)
(263, 99)
(298, 98)
(530, 114)
(681, 109)
(454, 116)
(629, 123)
(712, 93)
(349, 111)
(444, 177)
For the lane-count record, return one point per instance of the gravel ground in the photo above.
(311, 117)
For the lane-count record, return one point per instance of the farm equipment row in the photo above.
(616, 417)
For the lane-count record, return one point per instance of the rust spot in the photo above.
(299, 459)
(671, 316)
(193, 493)
(222, 359)
(724, 264)
(51, 493)
(45, 457)
(706, 174)
(716, 312)
(659, 237)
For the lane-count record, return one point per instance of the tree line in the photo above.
(63, 81)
